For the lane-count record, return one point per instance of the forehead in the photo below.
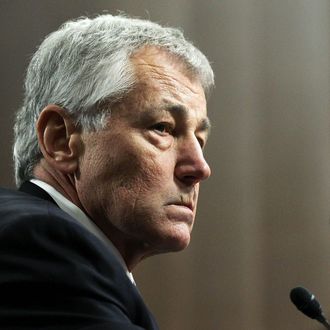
(163, 78)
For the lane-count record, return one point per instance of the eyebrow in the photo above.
(180, 110)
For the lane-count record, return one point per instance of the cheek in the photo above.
(136, 172)
(138, 165)
(123, 179)
(140, 176)
(135, 197)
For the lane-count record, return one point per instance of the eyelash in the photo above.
(165, 128)
(201, 143)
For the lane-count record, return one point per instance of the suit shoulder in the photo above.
(17, 201)
(42, 225)
(19, 207)
(48, 259)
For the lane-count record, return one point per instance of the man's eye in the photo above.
(201, 142)
(163, 128)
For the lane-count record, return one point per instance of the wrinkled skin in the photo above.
(138, 178)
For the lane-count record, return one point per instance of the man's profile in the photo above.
(108, 159)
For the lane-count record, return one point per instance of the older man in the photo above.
(108, 157)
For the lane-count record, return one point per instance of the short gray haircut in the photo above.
(86, 63)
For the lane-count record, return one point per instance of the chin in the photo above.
(174, 240)
(180, 245)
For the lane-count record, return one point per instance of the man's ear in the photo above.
(59, 139)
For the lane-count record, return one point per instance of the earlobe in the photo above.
(59, 139)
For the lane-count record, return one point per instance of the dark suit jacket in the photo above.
(56, 275)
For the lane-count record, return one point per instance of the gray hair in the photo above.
(83, 65)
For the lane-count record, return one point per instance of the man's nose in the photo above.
(191, 167)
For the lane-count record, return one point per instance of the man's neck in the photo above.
(76, 213)
(64, 184)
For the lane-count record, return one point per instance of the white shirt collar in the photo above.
(76, 213)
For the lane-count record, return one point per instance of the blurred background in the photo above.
(263, 224)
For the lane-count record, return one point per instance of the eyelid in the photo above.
(202, 138)
(165, 128)
(168, 127)
(202, 142)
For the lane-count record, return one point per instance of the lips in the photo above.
(188, 204)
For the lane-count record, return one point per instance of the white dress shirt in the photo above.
(76, 213)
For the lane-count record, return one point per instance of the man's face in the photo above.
(139, 177)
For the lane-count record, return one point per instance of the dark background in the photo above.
(263, 219)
